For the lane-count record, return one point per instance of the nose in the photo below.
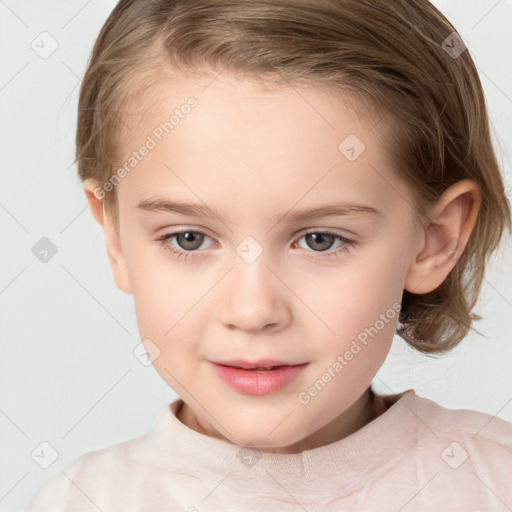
(254, 299)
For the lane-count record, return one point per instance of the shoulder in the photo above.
(481, 427)
(465, 445)
(98, 478)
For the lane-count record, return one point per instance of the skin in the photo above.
(253, 154)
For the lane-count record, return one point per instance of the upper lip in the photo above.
(260, 363)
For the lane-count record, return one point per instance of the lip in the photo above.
(247, 378)
(257, 363)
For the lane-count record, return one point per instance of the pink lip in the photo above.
(244, 377)
(257, 363)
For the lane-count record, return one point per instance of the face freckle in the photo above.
(312, 301)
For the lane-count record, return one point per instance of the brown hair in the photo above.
(393, 55)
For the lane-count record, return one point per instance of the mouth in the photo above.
(260, 365)
(262, 377)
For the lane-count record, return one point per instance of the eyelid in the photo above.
(176, 231)
(332, 231)
(303, 232)
(347, 243)
(169, 231)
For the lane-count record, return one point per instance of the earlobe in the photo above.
(111, 235)
(452, 221)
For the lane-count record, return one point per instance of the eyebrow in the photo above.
(157, 205)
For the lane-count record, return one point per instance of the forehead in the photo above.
(225, 136)
(270, 100)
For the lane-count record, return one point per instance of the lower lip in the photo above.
(253, 382)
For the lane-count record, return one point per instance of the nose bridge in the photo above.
(254, 297)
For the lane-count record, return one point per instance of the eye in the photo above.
(189, 241)
(321, 241)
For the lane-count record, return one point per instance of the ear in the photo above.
(444, 239)
(94, 195)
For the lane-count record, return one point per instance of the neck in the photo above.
(364, 410)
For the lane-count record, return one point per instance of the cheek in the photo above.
(165, 297)
(353, 299)
(167, 308)
(362, 308)
(343, 303)
(169, 314)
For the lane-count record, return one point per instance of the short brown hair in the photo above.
(390, 54)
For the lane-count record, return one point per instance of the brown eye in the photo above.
(320, 241)
(183, 243)
(189, 240)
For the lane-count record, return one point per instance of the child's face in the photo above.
(253, 286)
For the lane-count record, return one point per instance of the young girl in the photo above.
(283, 185)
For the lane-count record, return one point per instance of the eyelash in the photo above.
(164, 243)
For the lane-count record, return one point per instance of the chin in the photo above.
(263, 438)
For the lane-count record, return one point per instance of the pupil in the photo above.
(322, 239)
(189, 239)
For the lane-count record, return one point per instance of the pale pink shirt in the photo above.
(416, 456)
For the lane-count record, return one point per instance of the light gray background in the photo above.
(68, 375)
